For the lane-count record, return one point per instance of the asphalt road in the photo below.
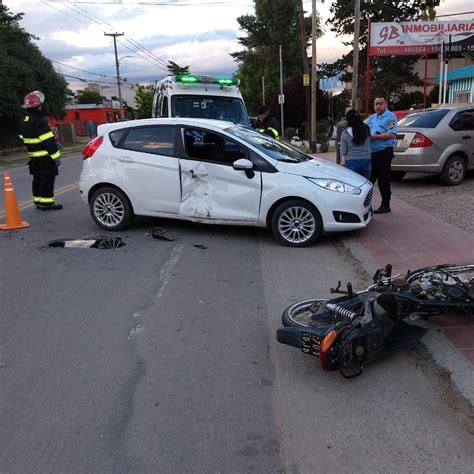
(161, 356)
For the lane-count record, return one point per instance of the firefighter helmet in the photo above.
(33, 99)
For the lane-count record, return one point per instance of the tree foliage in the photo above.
(276, 22)
(390, 75)
(88, 96)
(24, 69)
(175, 68)
(144, 100)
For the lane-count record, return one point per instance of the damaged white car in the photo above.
(217, 172)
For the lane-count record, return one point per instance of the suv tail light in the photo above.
(92, 147)
(420, 141)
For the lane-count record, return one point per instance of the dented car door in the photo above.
(210, 187)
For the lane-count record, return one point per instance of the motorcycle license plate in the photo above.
(310, 343)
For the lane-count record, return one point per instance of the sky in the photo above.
(198, 33)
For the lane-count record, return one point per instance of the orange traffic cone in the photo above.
(13, 218)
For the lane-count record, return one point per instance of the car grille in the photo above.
(368, 198)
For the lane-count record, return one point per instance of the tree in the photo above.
(23, 70)
(276, 22)
(144, 100)
(175, 69)
(390, 75)
(88, 96)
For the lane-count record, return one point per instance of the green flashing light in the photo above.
(227, 81)
(192, 79)
(186, 78)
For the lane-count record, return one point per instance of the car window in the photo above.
(463, 121)
(165, 107)
(209, 107)
(273, 148)
(207, 146)
(158, 140)
(116, 135)
(425, 119)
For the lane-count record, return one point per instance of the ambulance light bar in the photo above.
(193, 79)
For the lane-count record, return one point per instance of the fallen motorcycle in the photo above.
(349, 331)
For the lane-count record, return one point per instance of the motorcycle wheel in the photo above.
(299, 314)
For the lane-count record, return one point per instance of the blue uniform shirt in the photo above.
(385, 123)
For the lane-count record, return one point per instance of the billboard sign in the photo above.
(409, 38)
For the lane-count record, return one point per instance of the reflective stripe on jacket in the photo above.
(36, 135)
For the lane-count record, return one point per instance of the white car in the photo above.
(217, 172)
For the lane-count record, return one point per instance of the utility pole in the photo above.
(313, 78)
(304, 43)
(355, 59)
(263, 90)
(282, 97)
(122, 116)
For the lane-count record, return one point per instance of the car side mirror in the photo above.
(242, 164)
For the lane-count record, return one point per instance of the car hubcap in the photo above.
(456, 171)
(109, 209)
(296, 224)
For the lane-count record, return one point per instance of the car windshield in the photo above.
(273, 148)
(424, 119)
(209, 107)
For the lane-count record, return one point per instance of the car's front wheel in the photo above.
(111, 209)
(454, 171)
(296, 223)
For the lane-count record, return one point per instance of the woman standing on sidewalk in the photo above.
(355, 144)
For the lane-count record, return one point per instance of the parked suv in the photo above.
(436, 141)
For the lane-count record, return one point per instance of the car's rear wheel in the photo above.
(454, 171)
(296, 223)
(111, 209)
(397, 175)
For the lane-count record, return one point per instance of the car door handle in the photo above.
(466, 137)
(125, 159)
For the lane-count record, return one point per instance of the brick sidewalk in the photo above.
(410, 238)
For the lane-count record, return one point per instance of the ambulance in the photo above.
(190, 95)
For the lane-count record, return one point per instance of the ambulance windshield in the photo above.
(209, 107)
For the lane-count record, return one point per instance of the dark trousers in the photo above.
(44, 173)
(381, 170)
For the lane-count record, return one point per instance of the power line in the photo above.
(130, 40)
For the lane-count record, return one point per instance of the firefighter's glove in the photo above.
(58, 162)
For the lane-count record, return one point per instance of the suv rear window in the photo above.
(425, 119)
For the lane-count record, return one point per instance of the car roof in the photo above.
(213, 124)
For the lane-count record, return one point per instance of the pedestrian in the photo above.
(355, 144)
(267, 123)
(383, 134)
(42, 150)
(90, 128)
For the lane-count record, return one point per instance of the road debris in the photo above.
(161, 233)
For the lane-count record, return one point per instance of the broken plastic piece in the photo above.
(161, 233)
(199, 246)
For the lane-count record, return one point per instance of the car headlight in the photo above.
(335, 185)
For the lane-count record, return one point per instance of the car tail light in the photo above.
(420, 141)
(324, 349)
(92, 147)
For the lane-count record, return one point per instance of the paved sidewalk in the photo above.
(410, 238)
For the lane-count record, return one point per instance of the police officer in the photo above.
(267, 123)
(42, 149)
(383, 131)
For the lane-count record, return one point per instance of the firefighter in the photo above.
(42, 150)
